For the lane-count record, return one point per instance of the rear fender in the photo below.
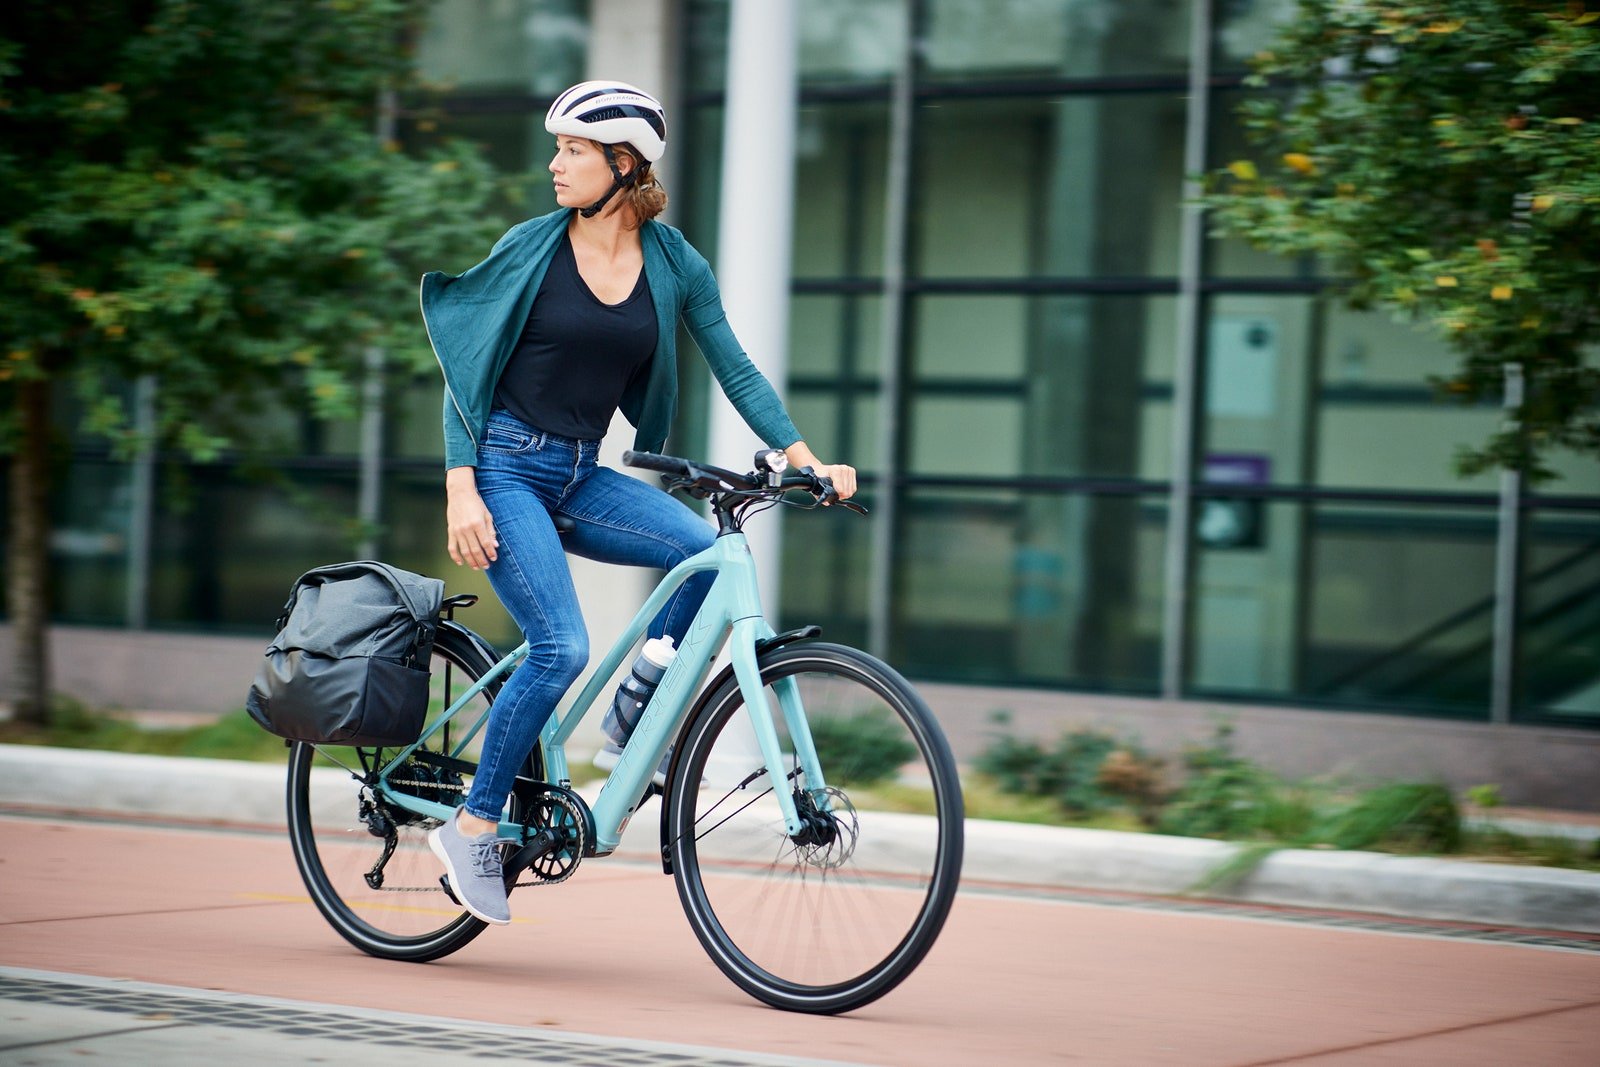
(483, 647)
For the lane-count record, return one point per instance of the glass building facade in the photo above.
(1075, 375)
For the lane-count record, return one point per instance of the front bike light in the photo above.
(772, 462)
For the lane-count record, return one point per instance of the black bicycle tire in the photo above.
(461, 649)
(904, 959)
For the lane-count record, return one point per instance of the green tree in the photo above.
(205, 195)
(1443, 156)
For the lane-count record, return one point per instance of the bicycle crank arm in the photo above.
(542, 844)
(538, 847)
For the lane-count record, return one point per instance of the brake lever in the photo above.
(826, 495)
(676, 483)
(821, 489)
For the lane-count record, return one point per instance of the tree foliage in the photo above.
(205, 195)
(1443, 156)
(197, 192)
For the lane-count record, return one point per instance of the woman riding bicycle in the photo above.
(572, 316)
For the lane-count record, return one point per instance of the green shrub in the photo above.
(1228, 796)
(1239, 802)
(1485, 796)
(1544, 851)
(1017, 767)
(1086, 771)
(1074, 772)
(1413, 816)
(861, 749)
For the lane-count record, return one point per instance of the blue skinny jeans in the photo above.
(526, 477)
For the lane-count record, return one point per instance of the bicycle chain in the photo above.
(452, 786)
(567, 805)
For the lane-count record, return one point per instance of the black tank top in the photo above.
(577, 355)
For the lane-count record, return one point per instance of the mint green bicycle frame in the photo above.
(732, 607)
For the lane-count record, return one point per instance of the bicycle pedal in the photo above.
(444, 882)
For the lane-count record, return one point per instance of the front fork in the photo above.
(747, 671)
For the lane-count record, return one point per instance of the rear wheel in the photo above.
(834, 917)
(340, 829)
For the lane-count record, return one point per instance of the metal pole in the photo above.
(369, 504)
(1507, 555)
(896, 215)
(141, 505)
(756, 228)
(1174, 622)
(369, 500)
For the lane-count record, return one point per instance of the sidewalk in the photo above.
(86, 783)
(52, 1018)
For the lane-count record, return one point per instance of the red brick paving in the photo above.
(1011, 981)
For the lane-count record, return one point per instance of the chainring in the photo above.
(563, 811)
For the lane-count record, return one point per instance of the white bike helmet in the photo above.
(612, 113)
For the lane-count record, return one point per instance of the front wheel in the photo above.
(834, 917)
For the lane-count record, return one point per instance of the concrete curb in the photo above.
(81, 780)
(229, 791)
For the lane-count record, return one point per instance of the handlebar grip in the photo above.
(807, 479)
(651, 461)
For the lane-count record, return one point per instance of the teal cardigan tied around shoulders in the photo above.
(474, 321)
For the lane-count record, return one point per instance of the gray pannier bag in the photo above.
(350, 663)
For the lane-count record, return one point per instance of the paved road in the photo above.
(1016, 978)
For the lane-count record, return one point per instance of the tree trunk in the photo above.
(27, 556)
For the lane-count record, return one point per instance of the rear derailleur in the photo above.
(426, 780)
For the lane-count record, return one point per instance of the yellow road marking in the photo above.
(365, 905)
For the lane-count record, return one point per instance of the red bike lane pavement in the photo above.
(1015, 978)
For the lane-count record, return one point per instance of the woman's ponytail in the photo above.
(645, 193)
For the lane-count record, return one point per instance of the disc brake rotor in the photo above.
(829, 838)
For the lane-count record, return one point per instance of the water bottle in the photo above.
(637, 688)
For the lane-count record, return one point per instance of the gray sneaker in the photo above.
(476, 874)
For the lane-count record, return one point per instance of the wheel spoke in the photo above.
(731, 815)
(833, 917)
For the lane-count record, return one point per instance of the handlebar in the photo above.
(711, 479)
(651, 461)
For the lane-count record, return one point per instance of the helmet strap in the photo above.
(619, 181)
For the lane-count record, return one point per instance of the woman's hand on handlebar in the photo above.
(469, 526)
(843, 478)
(841, 475)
